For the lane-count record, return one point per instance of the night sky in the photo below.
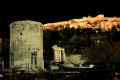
(53, 12)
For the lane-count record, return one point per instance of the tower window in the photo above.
(21, 33)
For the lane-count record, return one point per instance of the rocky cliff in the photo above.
(98, 22)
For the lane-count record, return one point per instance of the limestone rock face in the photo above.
(26, 44)
(98, 22)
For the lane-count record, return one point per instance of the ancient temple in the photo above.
(26, 45)
(59, 54)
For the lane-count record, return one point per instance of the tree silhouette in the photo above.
(116, 34)
(103, 53)
(71, 40)
(50, 38)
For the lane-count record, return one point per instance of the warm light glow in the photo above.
(98, 22)
(116, 73)
(98, 41)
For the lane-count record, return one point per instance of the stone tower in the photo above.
(26, 45)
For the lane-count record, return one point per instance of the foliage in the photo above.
(70, 40)
(103, 52)
(116, 51)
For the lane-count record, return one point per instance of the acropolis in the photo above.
(81, 48)
(98, 22)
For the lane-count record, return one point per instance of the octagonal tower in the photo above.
(26, 45)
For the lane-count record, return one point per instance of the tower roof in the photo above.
(25, 22)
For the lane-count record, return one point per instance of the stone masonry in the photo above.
(59, 54)
(26, 45)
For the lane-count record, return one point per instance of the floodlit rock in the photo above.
(98, 22)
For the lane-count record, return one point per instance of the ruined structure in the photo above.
(98, 22)
(59, 54)
(26, 45)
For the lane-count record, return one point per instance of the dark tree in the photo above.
(116, 34)
(103, 53)
(71, 40)
(50, 38)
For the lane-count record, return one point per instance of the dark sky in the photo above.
(48, 12)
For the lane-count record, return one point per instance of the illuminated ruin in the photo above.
(59, 54)
(98, 22)
(26, 45)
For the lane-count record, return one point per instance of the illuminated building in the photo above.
(59, 54)
(26, 45)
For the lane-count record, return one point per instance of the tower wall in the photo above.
(26, 44)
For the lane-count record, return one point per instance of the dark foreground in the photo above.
(60, 75)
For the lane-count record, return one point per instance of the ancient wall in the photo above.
(59, 54)
(26, 44)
